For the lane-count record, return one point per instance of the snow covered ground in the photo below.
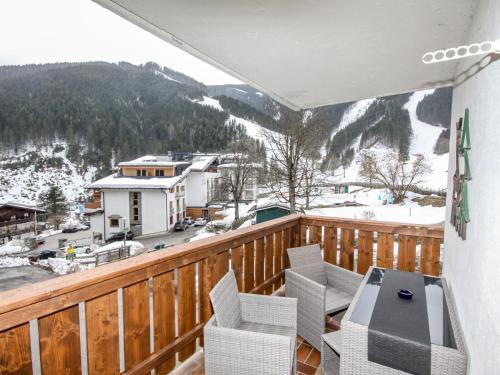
(24, 184)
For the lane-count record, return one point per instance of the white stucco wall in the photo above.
(196, 189)
(97, 223)
(154, 211)
(472, 266)
(116, 202)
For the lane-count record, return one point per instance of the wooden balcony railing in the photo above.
(147, 312)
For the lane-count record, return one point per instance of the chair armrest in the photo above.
(278, 311)
(343, 279)
(232, 351)
(310, 294)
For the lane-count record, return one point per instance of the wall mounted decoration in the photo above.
(460, 199)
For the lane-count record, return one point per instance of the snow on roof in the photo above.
(202, 162)
(152, 160)
(115, 181)
(21, 205)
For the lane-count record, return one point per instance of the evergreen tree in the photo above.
(53, 201)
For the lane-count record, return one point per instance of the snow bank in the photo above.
(135, 247)
(13, 247)
(61, 266)
(7, 262)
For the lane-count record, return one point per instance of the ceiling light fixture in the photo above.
(473, 49)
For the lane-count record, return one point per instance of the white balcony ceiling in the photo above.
(307, 53)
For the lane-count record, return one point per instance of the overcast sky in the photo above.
(42, 31)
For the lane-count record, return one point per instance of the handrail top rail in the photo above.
(189, 253)
(26, 295)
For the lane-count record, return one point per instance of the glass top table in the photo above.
(441, 332)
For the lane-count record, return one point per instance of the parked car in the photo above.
(180, 226)
(82, 227)
(189, 220)
(120, 236)
(44, 254)
(200, 222)
(70, 229)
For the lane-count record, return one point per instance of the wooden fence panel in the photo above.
(347, 248)
(407, 252)
(313, 234)
(287, 240)
(259, 261)
(385, 250)
(101, 315)
(303, 235)
(164, 317)
(15, 354)
(237, 265)
(269, 267)
(249, 267)
(365, 251)
(186, 290)
(136, 323)
(278, 257)
(330, 247)
(429, 256)
(60, 342)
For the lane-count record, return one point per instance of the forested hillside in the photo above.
(103, 110)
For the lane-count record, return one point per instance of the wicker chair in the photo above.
(249, 334)
(320, 288)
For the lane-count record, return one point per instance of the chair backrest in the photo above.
(307, 261)
(226, 302)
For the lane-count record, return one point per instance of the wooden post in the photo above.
(347, 249)
(365, 251)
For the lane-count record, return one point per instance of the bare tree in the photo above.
(239, 172)
(310, 186)
(396, 174)
(288, 147)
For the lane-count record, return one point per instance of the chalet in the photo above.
(17, 218)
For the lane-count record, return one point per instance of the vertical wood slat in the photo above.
(101, 315)
(287, 240)
(429, 256)
(186, 291)
(259, 261)
(136, 323)
(60, 342)
(313, 234)
(407, 252)
(221, 266)
(15, 352)
(296, 236)
(319, 234)
(330, 247)
(269, 253)
(303, 235)
(237, 265)
(278, 259)
(164, 317)
(205, 277)
(385, 250)
(249, 267)
(365, 251)
(347, 248)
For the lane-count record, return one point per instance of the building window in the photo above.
(172, 190)
(171, 220)
(136, 214)
(177, 188)
(114, 223)
(159, 173)
(182, 188)
(141, 172)
(135, 195)
(178, 206)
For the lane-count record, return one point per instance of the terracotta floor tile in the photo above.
(303, 352)
(306, 369)
(314, 358)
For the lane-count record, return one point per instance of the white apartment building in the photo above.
(146, 195)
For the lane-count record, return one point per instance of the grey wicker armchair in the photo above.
(249, 334)
(320, 288)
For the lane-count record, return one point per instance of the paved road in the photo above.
(16, 277)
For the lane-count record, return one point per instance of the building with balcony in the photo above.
(146, 195)
(17, 218)
(149, 313)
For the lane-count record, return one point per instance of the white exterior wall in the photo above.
(471, 266)
(196, 190)
(116, 202)
(97, 223)
(154, 211)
